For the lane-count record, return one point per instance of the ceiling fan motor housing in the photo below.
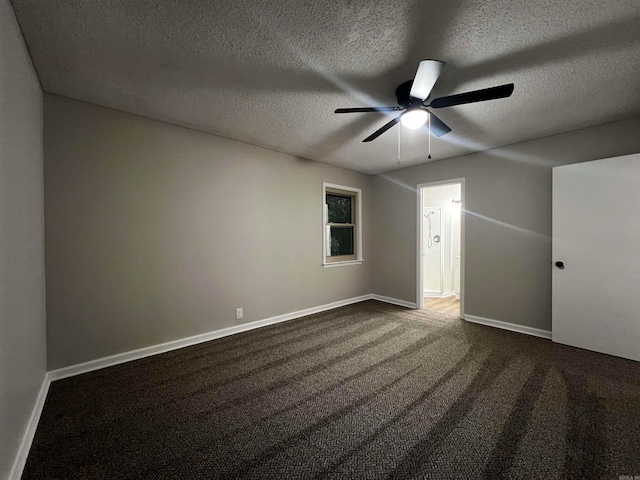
(405, 100)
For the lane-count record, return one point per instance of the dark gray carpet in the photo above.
(365, 391)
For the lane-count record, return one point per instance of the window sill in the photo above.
(342, 264)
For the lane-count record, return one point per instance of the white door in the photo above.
(596, 236)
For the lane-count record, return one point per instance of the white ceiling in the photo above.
(271, 72)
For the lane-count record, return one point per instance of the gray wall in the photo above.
(22, 312)
(156, 232)
(508, 220)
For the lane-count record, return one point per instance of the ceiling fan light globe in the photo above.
(414, 119)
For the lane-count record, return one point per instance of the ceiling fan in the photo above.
(413, 94)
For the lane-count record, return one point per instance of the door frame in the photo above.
(420, 243)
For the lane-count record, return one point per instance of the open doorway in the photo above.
(441, 247)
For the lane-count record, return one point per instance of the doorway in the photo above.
(441, 247)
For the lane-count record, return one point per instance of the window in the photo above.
(342, 229)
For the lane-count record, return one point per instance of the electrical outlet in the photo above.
(238, 313)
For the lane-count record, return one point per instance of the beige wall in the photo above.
(156, 232)
(22, 312)
(507, 221)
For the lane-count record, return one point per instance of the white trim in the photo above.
(205, 337)
(419, 246)
(358, 226)
(536, 332)
(393, 301)
(32, 425)
(342, 264)
(428, 294)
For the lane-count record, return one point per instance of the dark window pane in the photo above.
(339, 208)
(341, 241)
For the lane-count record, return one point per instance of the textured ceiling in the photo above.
(271, 73)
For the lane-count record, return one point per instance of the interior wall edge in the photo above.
(512, 327)
(32, 426)
(22, 277)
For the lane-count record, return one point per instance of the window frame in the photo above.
(356, 211)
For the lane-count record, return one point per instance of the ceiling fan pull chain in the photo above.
(429, 157)
(398, 146)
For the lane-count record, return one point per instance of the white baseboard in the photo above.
(194, 340)
(205, 337)
(536, 332)
(393, 301)
(438, 295)
(27, 439)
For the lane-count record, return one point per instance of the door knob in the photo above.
(560, 265)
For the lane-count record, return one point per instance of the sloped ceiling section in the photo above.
(271, 73)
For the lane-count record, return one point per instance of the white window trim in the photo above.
(358, 225)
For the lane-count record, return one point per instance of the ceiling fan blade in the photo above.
(367, 109)
(438, 127)
(382, 129)
(476, 96)
(426, 77)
